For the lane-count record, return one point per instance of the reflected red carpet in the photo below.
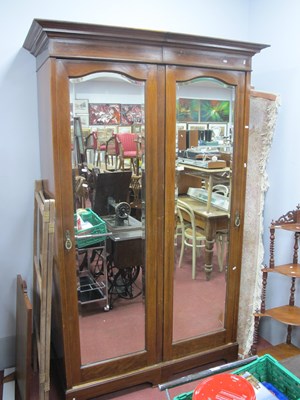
(198, 309)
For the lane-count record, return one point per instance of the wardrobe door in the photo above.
(130, 325)
(201, 310)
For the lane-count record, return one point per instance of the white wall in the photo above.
(275, 70)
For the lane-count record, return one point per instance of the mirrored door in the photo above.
(108, 162)
(201, 131)
(204, 150)
(108, 125)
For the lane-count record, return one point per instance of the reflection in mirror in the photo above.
(204, 137)
(108, 142)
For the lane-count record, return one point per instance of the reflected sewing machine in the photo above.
(122, 211)
(125, 247)
(119, 218)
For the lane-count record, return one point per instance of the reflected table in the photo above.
(211, 222)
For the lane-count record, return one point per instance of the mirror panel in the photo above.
(108, 163)
(204, 149)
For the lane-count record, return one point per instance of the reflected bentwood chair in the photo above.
(191, 236)
(221, 189)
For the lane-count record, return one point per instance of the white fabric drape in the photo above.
(263, 115)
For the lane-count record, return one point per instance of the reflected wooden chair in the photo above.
(102, 137)
(91, 147)
(136, 179)
(81, 191)
(141, 145)
(128, 149)
(111, 153)
(191, 236)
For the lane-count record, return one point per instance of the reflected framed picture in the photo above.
(132, 114)
(81, 106)
(111, 129)
(84, 120)
(137, 128)
(104, 114)
(214, 110)
(124, 129)
(187, 110)
(197, 127)
(181, 126)
(219, 130)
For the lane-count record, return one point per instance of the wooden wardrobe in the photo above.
(66, 54)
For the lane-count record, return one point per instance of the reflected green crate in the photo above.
(98, 227)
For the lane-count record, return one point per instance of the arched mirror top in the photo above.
(104, 76)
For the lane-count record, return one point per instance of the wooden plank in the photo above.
(49, 275)
(23, 373)
(44, 222)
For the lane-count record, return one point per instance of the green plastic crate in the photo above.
(184, 396)
(267, 369)
(99, 227)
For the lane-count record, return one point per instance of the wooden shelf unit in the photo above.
(288, 314)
